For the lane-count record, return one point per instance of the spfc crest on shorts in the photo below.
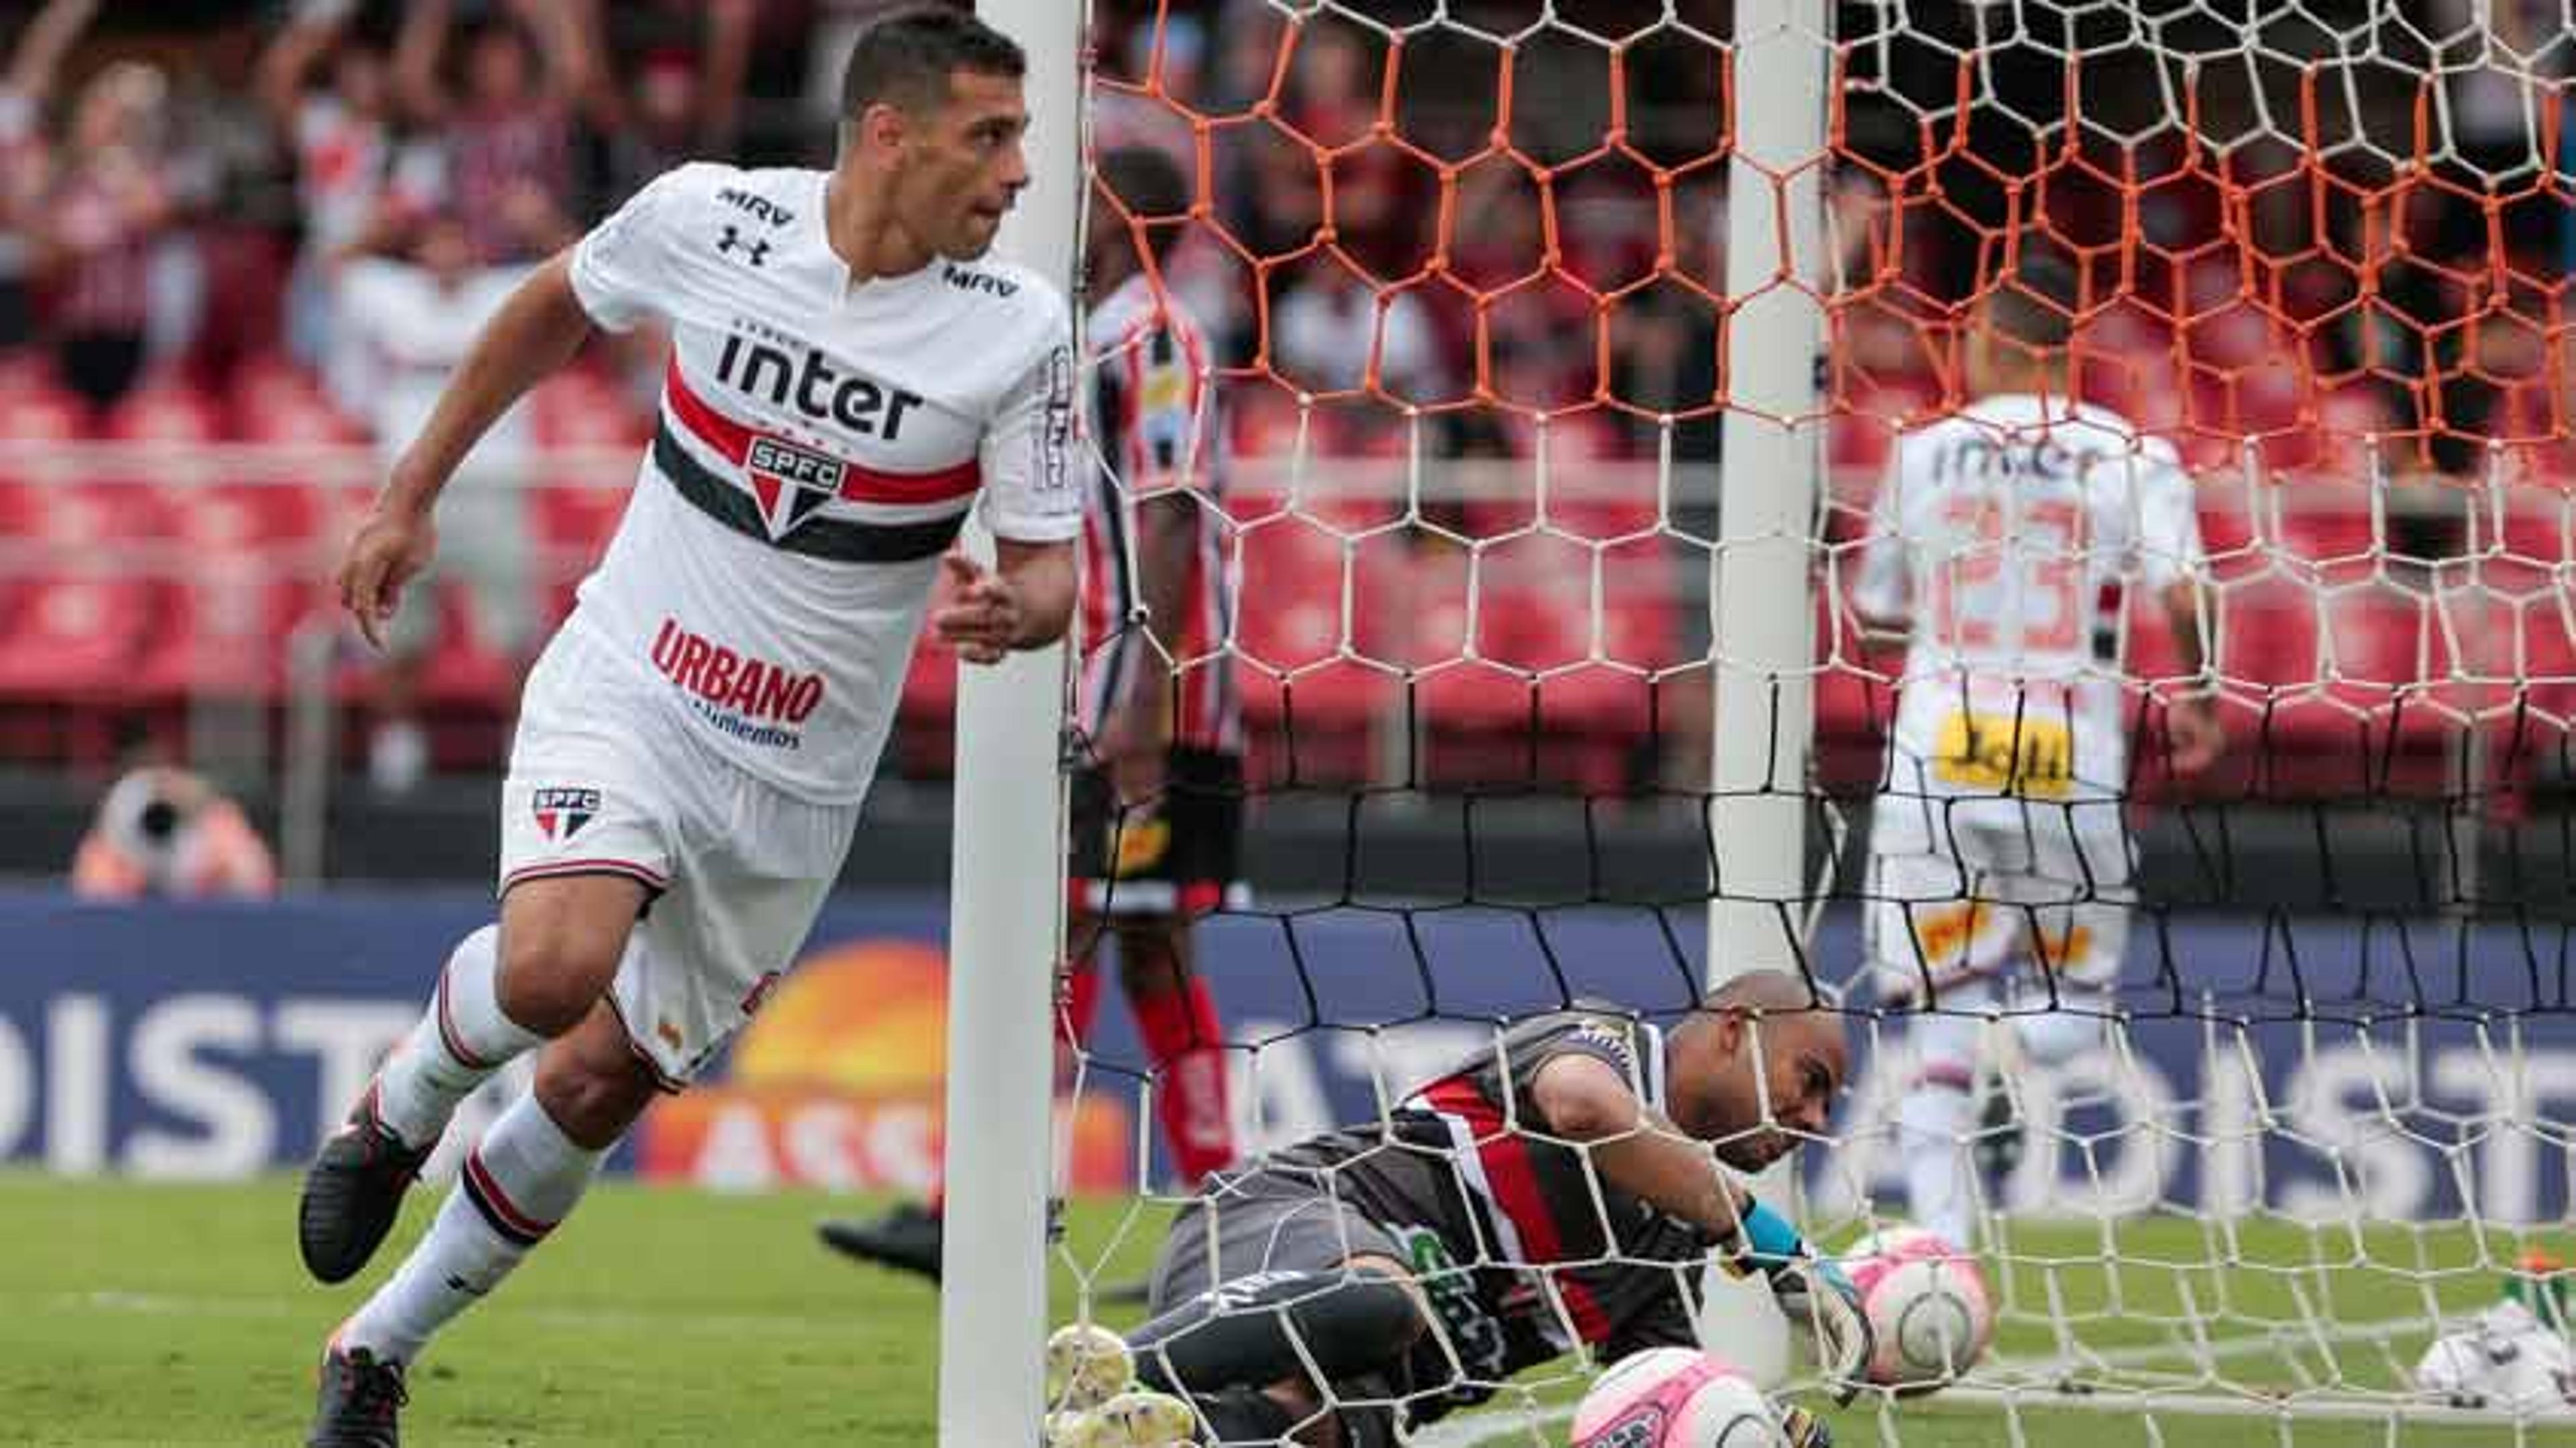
(562, 812)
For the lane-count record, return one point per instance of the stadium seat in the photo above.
(87, 599)
(1307, 709)
(166, 411)
(74, 640)
(573, 524)
(286, 407)
(257, 570)
(2532, 640)
(33, 408)
(579, 409)
(1869, 415)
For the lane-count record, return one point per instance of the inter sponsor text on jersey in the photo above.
(819, 446)
(1155, 428)
(1999, 531)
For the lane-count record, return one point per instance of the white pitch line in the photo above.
(2042, 1389)
(727, 1324)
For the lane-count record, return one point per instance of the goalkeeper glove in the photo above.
(1802, 1429)
(1814, 1294)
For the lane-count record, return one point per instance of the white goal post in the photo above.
(1006, 905)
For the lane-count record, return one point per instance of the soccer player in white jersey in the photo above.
(1158, 802)
(1999, 862)
(847, 382)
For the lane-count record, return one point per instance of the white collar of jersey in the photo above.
(1650, 1064)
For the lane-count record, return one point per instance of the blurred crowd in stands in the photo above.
(280, 222)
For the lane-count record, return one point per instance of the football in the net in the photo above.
(1927, 1305)
(1674, 1397)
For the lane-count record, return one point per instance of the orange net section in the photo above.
(1465, 267)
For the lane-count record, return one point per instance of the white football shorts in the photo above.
(605, 778)
(1973, 887)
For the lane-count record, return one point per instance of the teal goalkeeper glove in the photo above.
(1815, 1295)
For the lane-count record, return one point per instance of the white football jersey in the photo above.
(819, 446)
(1997, 532)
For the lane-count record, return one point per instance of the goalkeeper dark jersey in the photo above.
(1518, 1245)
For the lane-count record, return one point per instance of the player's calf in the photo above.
(504, 990)
(353, 1190)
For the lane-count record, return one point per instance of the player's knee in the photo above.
(1937, 1104)
(1382, 1307)
(2055, 1037)
(555, 965)
(1147, 963)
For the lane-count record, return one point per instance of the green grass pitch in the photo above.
(178, 1315)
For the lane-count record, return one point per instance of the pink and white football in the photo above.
(1674, 1397)
(1927, 1303)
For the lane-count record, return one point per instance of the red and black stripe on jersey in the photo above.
(1557, 1254)
(1158, 433)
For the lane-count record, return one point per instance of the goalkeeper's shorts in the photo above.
(1178, 855)
(606, 780)
(1257, 1221)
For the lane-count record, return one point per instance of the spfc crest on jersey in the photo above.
(790, 482)
(562, 812)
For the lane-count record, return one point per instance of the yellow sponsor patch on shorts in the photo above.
(2005, 753)
(1141, 846)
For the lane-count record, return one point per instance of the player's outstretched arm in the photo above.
(1587, 1101)
(536, 331)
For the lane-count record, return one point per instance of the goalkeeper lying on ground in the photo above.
(1559, 1186)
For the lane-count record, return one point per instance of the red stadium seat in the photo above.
(168, 412)
(73, 639)
(1309, 712)
(573, 524)
(576, 409)
(34, 409)
(257, 569)
(80, 611)
(465, 672)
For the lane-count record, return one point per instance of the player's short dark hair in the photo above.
(2035, 304)
(906, 58)
(1149, 184)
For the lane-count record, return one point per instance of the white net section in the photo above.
(2252, 1080)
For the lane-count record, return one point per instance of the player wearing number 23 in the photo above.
(1999, 861)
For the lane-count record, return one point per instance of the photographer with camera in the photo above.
(164, 832)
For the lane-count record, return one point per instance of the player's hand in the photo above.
(1802, 1429)
(1820, 1302)
(2193, 734)
(981, 614)
(390, 549)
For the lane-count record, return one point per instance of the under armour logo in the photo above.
(733, 239)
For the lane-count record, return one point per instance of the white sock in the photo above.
(461, 1039)
(1932, 1126)
(514, 1187)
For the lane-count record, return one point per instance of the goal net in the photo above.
(2264, 1071)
